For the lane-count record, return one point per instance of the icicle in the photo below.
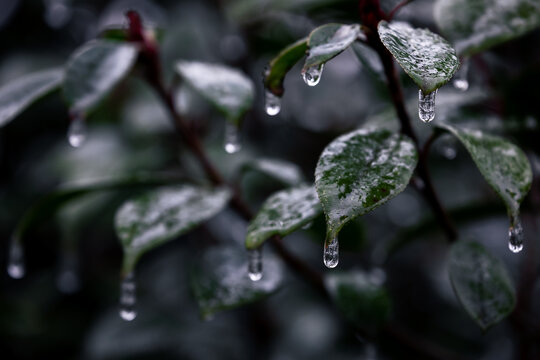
(515, 235)
(272, 104)
(77, 131)
(128, 298)
(426, 106)
(67, 280)
(331, 252)
(312, 75)
(255, 264)
(460, 81)
(16, 268)
(231, 141)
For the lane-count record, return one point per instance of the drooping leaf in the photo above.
(161, 215)
(221, 282)
(361, 170)
(283, 213)
(94, 70)
(476, 25)
(286, 172)
(426, 57)
(481, 283)
(16, 96)
(228, 89)
(281, 64)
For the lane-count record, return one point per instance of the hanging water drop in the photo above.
(77, 131)
(426, 106)
(461, 81)
(272, 103)
(15, 267)
(331, 252)
(515, 236)
(255, 264)
(231, 141)
(128, 298)
(312, 75)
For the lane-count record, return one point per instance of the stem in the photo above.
(397, 7)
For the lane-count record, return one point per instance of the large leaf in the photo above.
(481, 283)
(281, 64)
(228, 89)
(16, 96)
(94, 70)
(162, 215)
(361, 170)
(476, 25)
(283, 213)
(426, 57)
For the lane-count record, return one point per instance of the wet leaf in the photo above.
(481, 283)
(17, 95)
(425, 56)
(281, 64)
(476, 25)
(281, 170)
(161, 215)
(283, 213)
(360, 171)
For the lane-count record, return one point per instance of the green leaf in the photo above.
(228, 89)
(369, 60)
(283, 213)
(94, 70)
(283, 171)
(161, 215)
(220, 281)
(504, 166)
(281, 64)
(16, 96)
(481, 283)
(426, 57)
(476, 25)
(360, 171)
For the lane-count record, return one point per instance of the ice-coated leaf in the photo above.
(228, 89)
(426, 57)
(361, 170)
(476, 25)
(281, 170)
(220, 281)
(281, 64)
(161, 215)
(481, 283)
(94, 70)
(17, 95)
(282, 213)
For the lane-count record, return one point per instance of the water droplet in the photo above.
(426, 106)
(515, 236)
(460, 80)
(15, 267)
(255, 264)
(312, 75)
(272, 104)
(232, 139)
(67, 280)
(331, 252)
(128, 298)
(77, 131)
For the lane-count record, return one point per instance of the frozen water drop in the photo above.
(77, 131)
(231, 141)
(515, 236)
(16, 268)
(128, 298)
(460, 81)
(312, 75)
(255, 264)
(272, 104)
(331, 252)
(426, 106)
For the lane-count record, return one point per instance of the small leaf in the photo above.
(476, 25)
(16, 96)
(94, 70)
(162, 215)
(360, 171)
(228, 89)
(481, 283)
(426, 57)
(283, 171)
(283, 213)
(281, 64)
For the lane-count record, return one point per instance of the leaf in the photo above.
(283, 213)
(283, 171)
(476, 25)
(16, 96)
(481, 283)
(161, 215)
(426, 57)
(228, 89)
(328, 41)
(504, 166)
(369, 60)
(220, 281)
(94, 70)
(281, 64)
(360, 171)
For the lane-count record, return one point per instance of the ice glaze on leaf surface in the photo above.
(425, 56)
(281, 64)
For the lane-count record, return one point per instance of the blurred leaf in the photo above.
(281, 170)
(228, 89)
(283, 213)
(476, 25)
(370, 60)
(481, 283)
(161, 215)
(361, 170)
(426, 57)
(16, 96)
(281, 64)
(94, 70)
